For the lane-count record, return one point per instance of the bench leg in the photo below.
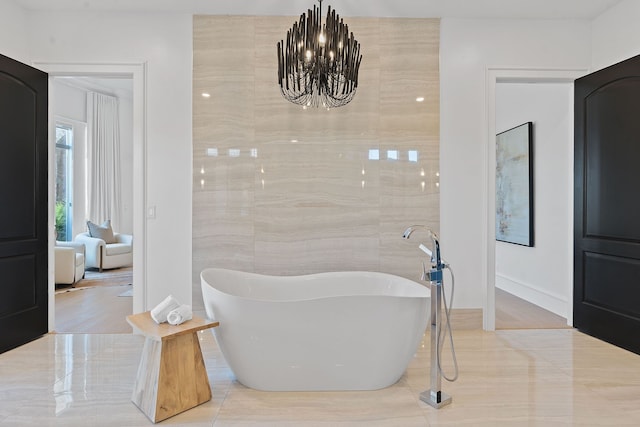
(171, 377)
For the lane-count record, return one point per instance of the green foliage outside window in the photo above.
(61, 221)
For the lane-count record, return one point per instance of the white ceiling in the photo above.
(527, 9)
(510, 9)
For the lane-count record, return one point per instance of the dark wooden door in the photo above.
(23, 203)
(607, 204)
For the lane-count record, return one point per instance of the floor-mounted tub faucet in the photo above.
(435, 396)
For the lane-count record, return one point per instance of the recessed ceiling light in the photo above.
(420, 99)
(206, 95)
(294, 140)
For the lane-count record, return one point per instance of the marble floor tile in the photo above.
(394, 405)
(506, 378)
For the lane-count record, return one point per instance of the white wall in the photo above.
(467, 49)
(163, 43)
(13, 32)
(69, 102)
(615, 34)
(542, 274)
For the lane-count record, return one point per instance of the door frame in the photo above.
(496, 75)
(138, 72)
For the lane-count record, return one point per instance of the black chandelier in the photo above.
(318, 66)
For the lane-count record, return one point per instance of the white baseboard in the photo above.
(542, 298)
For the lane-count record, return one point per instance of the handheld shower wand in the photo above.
(435, 396)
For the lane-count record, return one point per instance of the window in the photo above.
(64, 181)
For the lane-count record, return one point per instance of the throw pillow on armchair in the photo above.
(102, 231)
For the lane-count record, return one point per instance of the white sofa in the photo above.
(69, 258)
(102, 255)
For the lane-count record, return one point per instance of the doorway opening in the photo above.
(81, 156)
(557, 300)
(134, 74)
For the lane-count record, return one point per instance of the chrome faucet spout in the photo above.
(407, 233)
(435, 258)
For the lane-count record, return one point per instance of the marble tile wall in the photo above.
(340, 196)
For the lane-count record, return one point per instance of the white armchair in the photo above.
(102, 255)
(69, 262)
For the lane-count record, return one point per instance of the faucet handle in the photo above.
(426, 250)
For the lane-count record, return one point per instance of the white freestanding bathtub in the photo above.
(326, 331)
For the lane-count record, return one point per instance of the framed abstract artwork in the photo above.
(514, 185)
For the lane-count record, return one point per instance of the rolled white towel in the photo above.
(180, 315)
(160, 312)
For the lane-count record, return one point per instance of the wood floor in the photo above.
(515, 313)
(96, 304)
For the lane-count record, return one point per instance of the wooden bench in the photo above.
(171, 376)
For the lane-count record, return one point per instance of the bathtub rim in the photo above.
(423, 289)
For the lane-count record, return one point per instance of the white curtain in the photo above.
(103, 133)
